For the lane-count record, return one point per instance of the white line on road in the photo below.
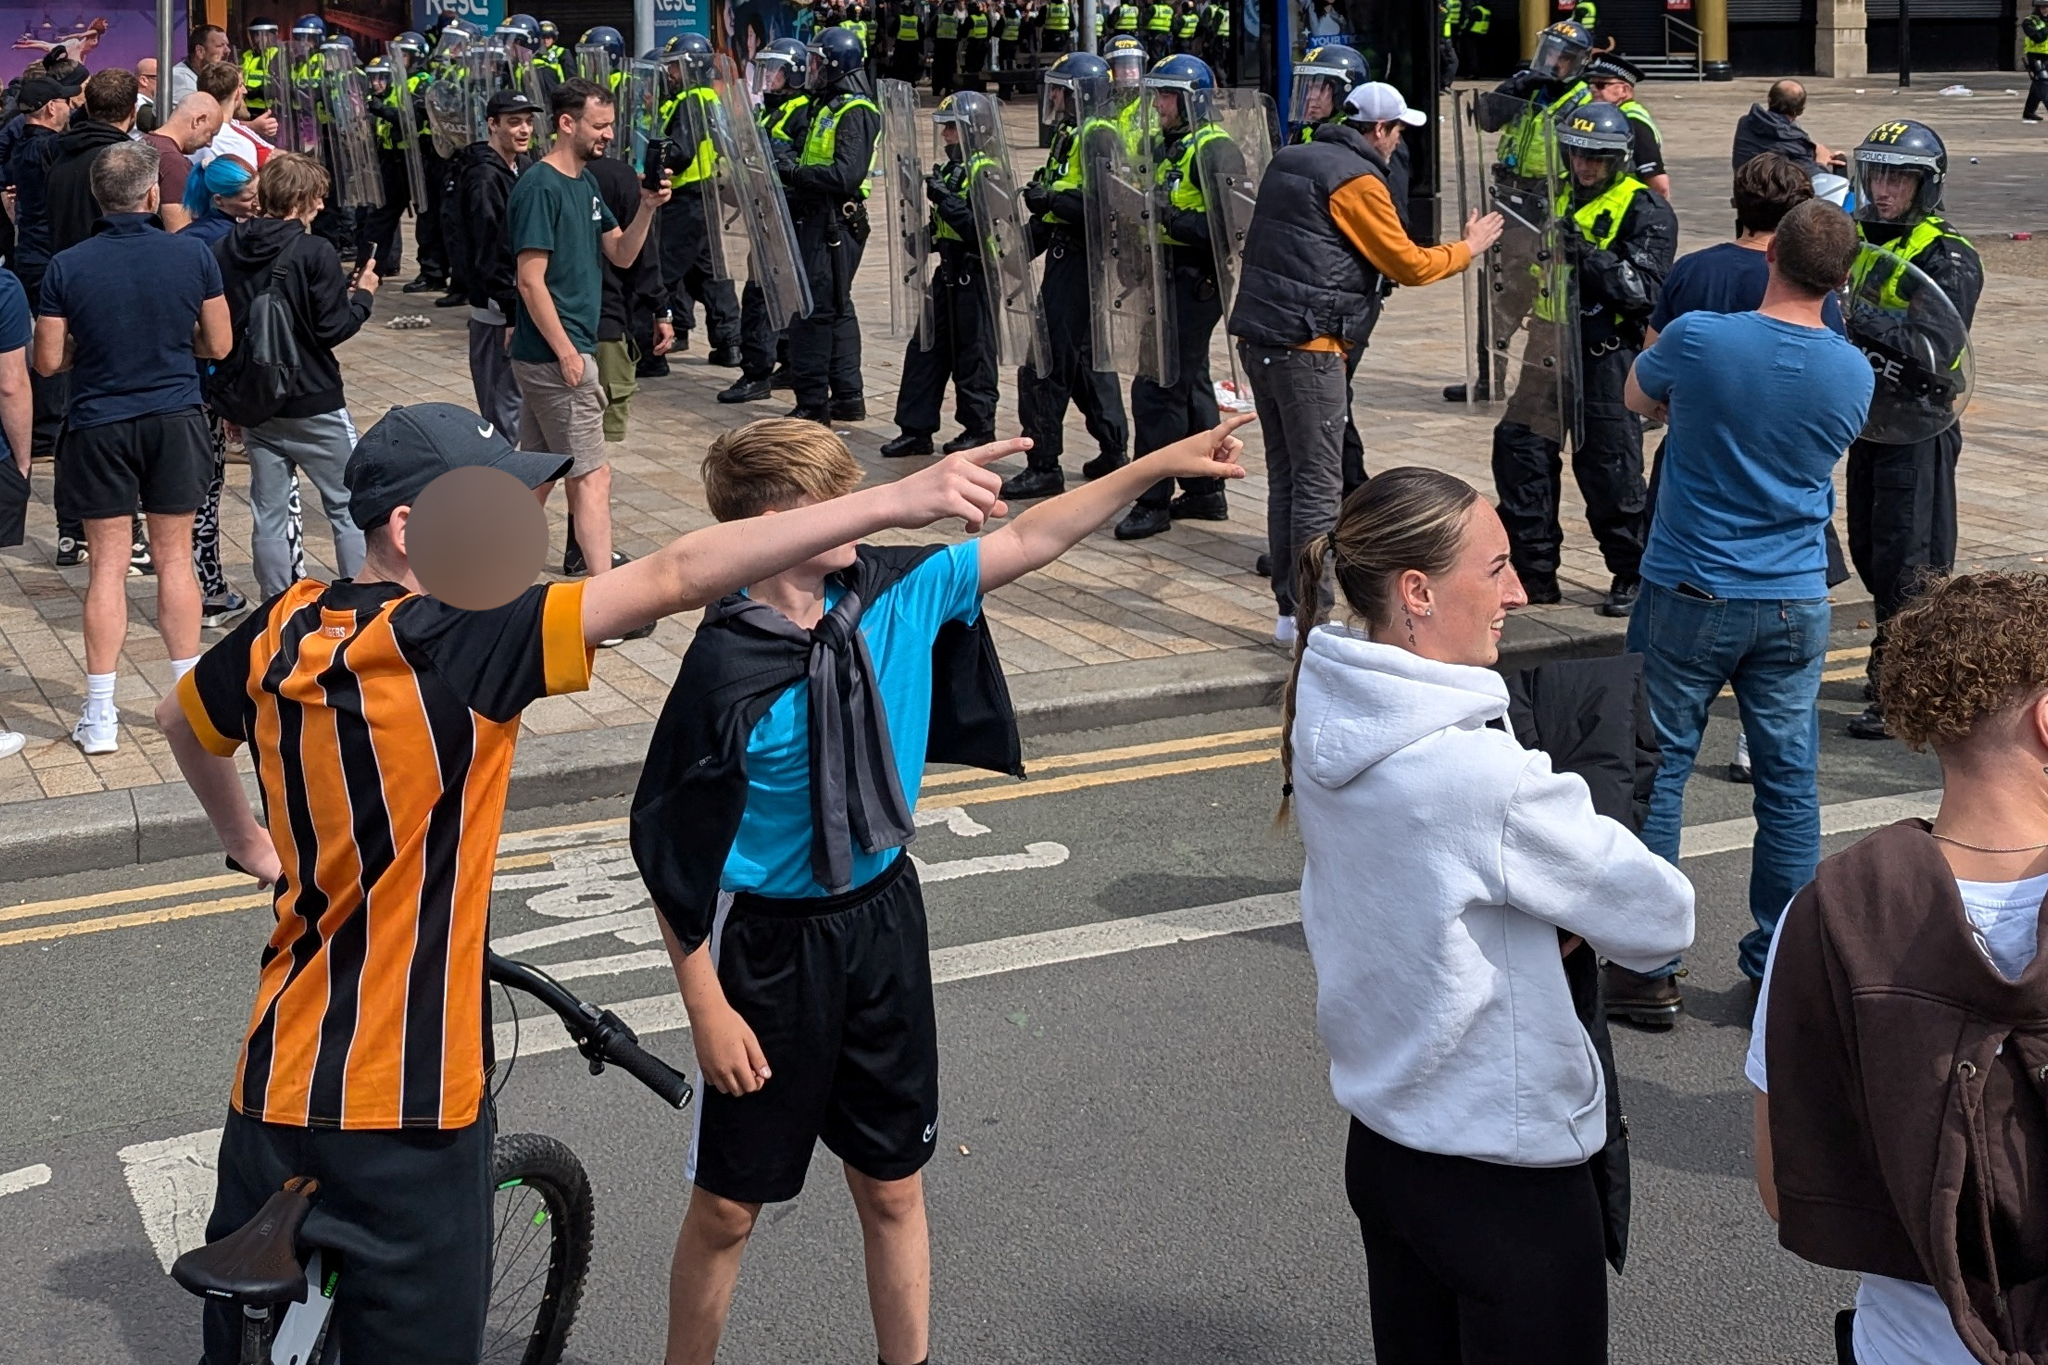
(27, 1178)
(172, 1181)
(1843, 817)
(1033, 856)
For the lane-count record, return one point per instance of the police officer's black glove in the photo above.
(1037, 198)
(1521, 85)
(935, 190)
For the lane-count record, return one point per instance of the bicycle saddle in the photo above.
(258, 1263)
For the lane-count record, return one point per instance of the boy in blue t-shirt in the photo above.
(809, 988)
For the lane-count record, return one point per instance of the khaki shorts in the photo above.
(561, 420)
(616, 362)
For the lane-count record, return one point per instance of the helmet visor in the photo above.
(768, 73)
(1559, 57)
(1891, 191)
(1126, 69)
(1056, 102)
(1593, 169)
(1318, 94)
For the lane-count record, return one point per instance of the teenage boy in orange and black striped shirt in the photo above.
(382, 724)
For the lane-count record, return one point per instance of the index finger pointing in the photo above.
(995, 450)
(1232, 421)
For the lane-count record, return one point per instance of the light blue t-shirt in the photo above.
(772, 853)
(1760, 412)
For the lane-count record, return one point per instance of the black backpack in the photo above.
(252, 382)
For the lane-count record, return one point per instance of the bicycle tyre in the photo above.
(530, 1167)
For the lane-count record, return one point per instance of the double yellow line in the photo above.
(1141, 762)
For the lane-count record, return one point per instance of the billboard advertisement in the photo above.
(672, 17)
(119, 33)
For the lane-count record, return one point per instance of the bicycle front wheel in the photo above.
(540, 1250)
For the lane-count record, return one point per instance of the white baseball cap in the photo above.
(1378, 102)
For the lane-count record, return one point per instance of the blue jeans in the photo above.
(1771, 651)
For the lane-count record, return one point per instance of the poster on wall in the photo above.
(673, 17)
(744, 27)
(486, 15)
(1380, 31)
(103, 34)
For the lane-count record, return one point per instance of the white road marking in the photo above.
(615, 965)
(1843, 817)
(27, 1178)
(665, 1013)
(1033, 856)
(583, 928)
(172, 1181)
(954, 818)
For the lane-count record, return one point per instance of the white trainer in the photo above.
(98, 735)
(1283, 630)
(12, 742)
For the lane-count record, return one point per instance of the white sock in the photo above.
(99, 694)
(180, 667)
(1742, 748)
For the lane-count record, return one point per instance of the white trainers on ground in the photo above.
(98, 734)
(1283, 630)
(12, 742)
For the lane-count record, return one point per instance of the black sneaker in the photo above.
(908, 444)
(724, 357)
(575, 566)
(849, 410)
(803, 414)
(637, 633)
(1455, 393)
(1869, 723)
(1199, 507)
(1034, 483)
(651, 367)
(1649, 1001)
(745, 390)
(1108, 462)
(1621, 596)
(221, 611)
(425, 284)
(1263, 566)
(780, 379)
(140, 565)
(452, 299)
(1142, 522)
(1541, 590)
(71, 552)
(967, 440)
(1741, 774)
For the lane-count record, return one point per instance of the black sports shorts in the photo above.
(838, 989)
(407, 1212)
(160, 463)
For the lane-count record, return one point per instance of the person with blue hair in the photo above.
(218, 197)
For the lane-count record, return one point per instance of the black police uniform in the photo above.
(1617, 288)
(377, 229)
(828, 201)
(686, 248)
(786, 116)
(1058, 230)
(963, 345)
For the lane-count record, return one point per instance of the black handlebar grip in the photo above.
(648, 1069)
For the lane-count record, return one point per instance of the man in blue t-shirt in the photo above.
(17, 419)
(1729, 277)
(1761, 406)
(129, 311)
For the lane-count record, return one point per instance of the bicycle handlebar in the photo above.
(601, 1036)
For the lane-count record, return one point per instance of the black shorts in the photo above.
(407, 1212)
(160, 463)
(838, 989)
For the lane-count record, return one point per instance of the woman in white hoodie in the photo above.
(1449, 872)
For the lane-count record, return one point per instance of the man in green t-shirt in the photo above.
(559, 225)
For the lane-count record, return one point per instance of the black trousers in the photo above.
(1071, 373)
(429, 244)
(451, 230)
(1607, 462)
(1475, 1263)
(1902, 519)
(2037, 87)
(945, 63)
(1353, 453)
(762, 347)
(963, 350)
(1006, 55)
(1163, 414)
(973, 62)
(1057, 42)
(686, 266)
(907, 62)
(377, 229)
(824, 344)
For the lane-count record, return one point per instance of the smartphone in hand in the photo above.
(656, 174)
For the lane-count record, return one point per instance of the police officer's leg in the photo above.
(2037, 87)
(1353, 460)
(451, 232)
(974, 360)
(682, 236)
(1095, 392)
(721, 301)
(380, 241)
(1042, 398)
(1608, 465)
(757, 338)
(1165, 415)
(926, 369)
(845, 376)
(428, 244)
(810, 336)
(1902, 520)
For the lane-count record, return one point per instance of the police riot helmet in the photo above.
(1562, 51)
(263, 35)
(413, 44)
(1333, 69)
(787, 57)
(343, 41)
(1078, 79)
(688, 56)
(974, 114)
(1125, 55)
(521, 29)
(606, 37)
(1882, 163)
(379, 70)
(1188, 77)
(1596, 136)
(548, 29)
(309, 32)
(836, 56)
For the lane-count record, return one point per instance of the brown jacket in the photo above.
(1909, 1093)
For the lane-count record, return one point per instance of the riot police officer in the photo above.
(828, 193)
(686, 264)
(377, 229)
(1902, 496)
(784, 114)
(1619, 237)
(1180, 90)
(1077, 92)
(974, 45)
(1158, 29)
(259, 63)
(907, 57)
(550, 53)
(1612, 79)
(2034, 37)
(411, 48)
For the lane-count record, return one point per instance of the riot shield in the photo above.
(296, 103)
(1524, 334)
(594, 63)
(639, 105)
(402, 70)
(451, 111)
(1917, 344)
(349, 130)
(1230, 167)
(1133, 333)
(1009, 272)
(749, 218)
(537, 83)
(909, 221)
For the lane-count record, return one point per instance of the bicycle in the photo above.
(543, 1219)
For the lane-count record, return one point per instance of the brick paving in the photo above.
(1189, 591)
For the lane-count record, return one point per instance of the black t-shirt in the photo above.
(1647, 154)
(1724, 278)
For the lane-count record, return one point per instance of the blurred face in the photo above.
(1892, 189)
(1458, 615)
(512, 134)
(590, 132)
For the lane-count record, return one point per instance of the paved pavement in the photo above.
(1139, 1158)
(1166, 617)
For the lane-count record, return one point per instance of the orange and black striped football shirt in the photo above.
(382, 725)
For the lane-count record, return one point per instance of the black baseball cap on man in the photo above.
(410, 447)
(37, 91)
(510, 102)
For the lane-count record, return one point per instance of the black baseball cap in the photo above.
(410, 447)
(37, 91)
(510, 102)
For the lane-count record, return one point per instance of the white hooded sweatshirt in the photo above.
(1443, 858)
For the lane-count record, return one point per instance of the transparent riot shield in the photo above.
(594, 63)
(450, 110)
(348, 130)
(1133, 332)
(537, 83)
(1009, 272)
(1917, 344)
(639, 105)
(1523, 334)
(1230, 167)
(403, 69)
(908, 219)
(747, 214)
(296, 103)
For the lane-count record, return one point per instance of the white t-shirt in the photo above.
(1899, 1322)
(237, 140)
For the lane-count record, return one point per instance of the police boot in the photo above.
(968, 440)
(724, 357)
(908, 444)
(849, 409)
(780, 378)
(1541, 589)
(425, 284)
(745, 390)
(1108, 462)
(1455, 393)
(1621, 596)
(1199, 507)
(803, 414)
(1034, 483)
(1142, 522)
(1869, 724)
(454, 298)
